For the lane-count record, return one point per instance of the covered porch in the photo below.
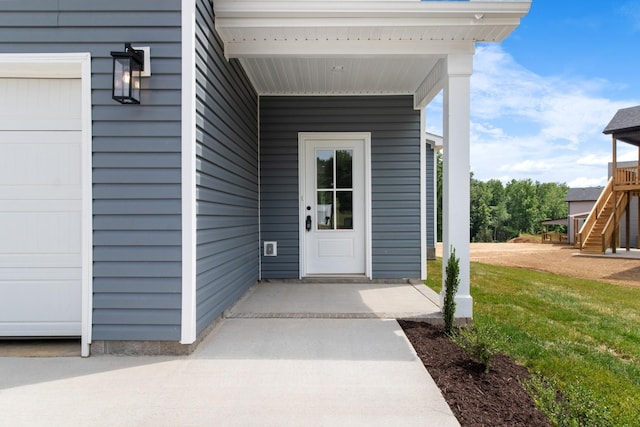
(555, 231)
(345, 52)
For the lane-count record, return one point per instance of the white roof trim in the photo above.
(368, 8)
(378, 46)
(273, 19)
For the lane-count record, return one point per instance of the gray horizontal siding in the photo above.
(395, 169)
(227, 175)
(136, 154)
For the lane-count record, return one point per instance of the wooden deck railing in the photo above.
(628, 176)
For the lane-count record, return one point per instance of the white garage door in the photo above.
(40, 207)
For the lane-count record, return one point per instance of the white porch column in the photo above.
(456, 168)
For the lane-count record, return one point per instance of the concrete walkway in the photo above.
(290, 354)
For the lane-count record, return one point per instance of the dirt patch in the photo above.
(558, 259)
(476, 398)
(527, 239)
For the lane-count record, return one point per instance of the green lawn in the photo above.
(577, 332)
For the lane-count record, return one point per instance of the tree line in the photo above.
(500, 212)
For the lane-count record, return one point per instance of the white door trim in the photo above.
(68, 65)
(302, 167)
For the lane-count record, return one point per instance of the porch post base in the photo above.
(464, 306)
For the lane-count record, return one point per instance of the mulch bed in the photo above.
(476, 398)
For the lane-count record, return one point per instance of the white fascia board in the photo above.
(351, 48)
(503, 16)
(364, 22)
(388, 8)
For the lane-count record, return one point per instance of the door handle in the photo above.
(308, 224)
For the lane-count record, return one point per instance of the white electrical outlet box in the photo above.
(270, 248)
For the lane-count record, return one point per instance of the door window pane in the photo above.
(344, 210)
(324, 213)
(324, 169)
(334, 189)
(344, 161)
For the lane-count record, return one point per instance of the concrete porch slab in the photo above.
(338, 300)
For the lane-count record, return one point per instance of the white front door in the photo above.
(334, 204)
(40, 207)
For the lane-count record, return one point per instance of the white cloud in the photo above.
(524, 125)
(567, 111)
(487, 129)
(594, 159)
(528, 166)
(587, 182)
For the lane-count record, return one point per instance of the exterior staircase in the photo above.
(598, 232)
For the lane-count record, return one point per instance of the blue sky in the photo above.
(541, 99)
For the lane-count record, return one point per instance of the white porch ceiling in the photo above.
(331, 47)
(336, 76)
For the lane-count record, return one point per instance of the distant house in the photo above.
(613, 221)
(273, 140)
(581, 201)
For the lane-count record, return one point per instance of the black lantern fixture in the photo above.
(127, 68)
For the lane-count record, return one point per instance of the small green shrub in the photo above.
(452, 281)
(480, 341)
(575, 406)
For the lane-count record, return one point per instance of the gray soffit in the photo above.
(625, 125)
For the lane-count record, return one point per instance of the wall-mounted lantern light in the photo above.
(127, 69)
